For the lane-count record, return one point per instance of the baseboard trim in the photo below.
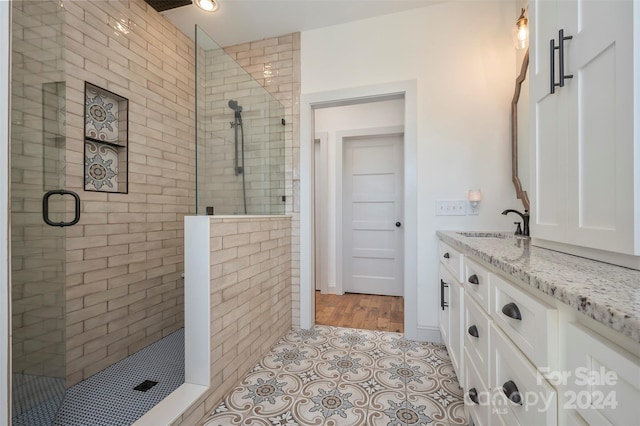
(429, 334)
(333, 289)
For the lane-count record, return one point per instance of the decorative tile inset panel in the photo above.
(101, 115)
(100, 167)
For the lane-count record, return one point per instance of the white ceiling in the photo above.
(240, 21)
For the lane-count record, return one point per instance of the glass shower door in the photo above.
(38, 255)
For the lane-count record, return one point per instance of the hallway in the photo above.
(363, 311)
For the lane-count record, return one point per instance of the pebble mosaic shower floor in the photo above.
(106, 398)
(341, 377)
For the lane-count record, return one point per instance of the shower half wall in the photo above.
(240, 137)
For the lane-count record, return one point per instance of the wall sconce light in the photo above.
(474, 197)
(521, 31)
(207, 5)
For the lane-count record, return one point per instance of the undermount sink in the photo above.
(486, 235)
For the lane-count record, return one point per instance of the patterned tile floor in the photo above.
(341, 377)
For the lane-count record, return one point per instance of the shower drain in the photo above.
(145, 386)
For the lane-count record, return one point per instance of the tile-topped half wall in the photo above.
(250, 305)
(125, 256)
(275, 63)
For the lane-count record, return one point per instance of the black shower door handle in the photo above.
(45, 207)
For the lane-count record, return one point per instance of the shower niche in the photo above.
(105, 140)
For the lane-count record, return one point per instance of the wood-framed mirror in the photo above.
(520, 134)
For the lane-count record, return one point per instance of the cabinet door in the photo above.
(584, 134)
(604, 382)
(455, 324)
(549, 127)
(445, 287)
(601, 125)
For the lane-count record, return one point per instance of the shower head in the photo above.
(233, 104)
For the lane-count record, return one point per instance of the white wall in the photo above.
(332, 122)
(462, 57)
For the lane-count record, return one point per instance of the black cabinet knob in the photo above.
(511, 390)
(398, 224)
(473, 279)
(473, 330)
(446, 255)
(473, 395)
(511, 310)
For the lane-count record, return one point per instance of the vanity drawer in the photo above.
(452, 259)
(604, 387)
(513, 374)
(501, 415)
(476, 282)
(530, 323)
(476, 323)
(476, 394)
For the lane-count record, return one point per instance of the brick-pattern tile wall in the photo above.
(250, 300)
(124, 258)
(37, 142)
(275, 63)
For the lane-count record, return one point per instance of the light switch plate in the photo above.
(451, 207)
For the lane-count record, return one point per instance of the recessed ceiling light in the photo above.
(207, 5)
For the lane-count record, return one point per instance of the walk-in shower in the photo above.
(240, 148)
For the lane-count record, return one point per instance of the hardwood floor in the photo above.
(366, 311)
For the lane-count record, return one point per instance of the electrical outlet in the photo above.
(451, 207)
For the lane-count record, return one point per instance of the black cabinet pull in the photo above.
(511, 310)
(45, 208)
(473, 330)
(473, 396)
(398, 224)
(446, 255)
(552, 62)
(473, 279)
(560, 48)
(561, 40)
(511, 390)
(443, 285)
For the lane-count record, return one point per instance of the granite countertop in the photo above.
(607, 293)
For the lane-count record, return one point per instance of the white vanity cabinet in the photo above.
(586, 134)
(544, 342)
(493, 349)
(451, 306)
(604, 387)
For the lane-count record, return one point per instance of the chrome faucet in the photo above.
(525, 219)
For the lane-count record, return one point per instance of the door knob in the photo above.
(398, 224)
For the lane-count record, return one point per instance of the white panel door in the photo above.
(372, 215)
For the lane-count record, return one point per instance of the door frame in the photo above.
(320, 199)
(340, 146)
(308, 102)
